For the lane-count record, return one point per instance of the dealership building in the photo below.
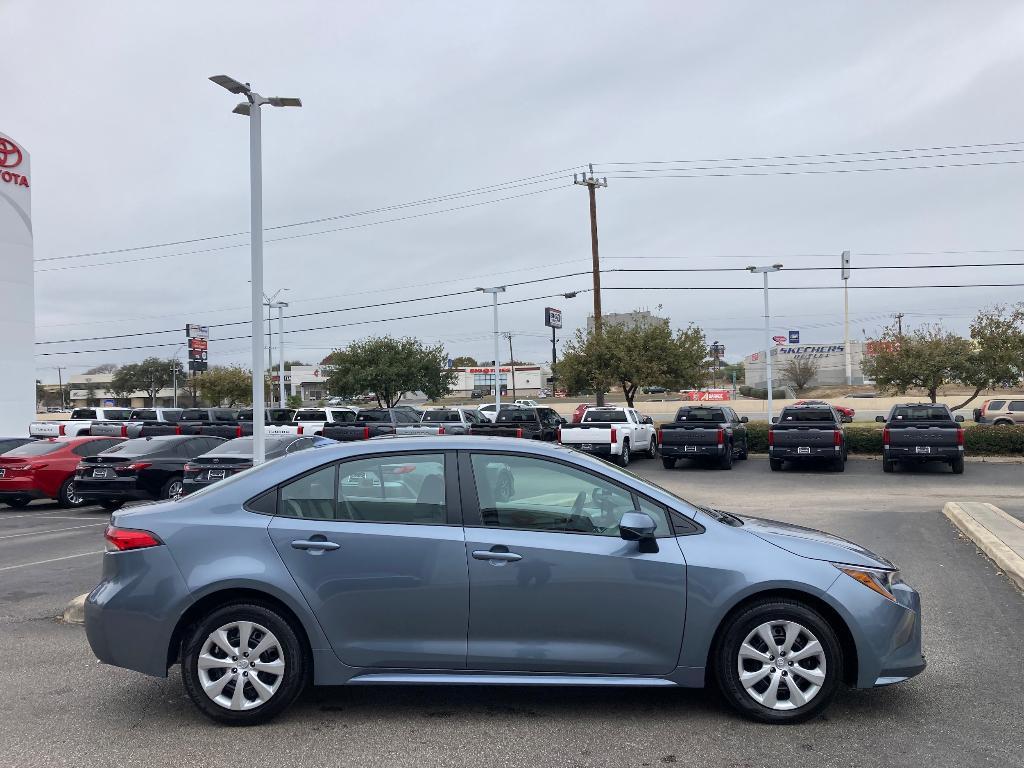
(829, 358)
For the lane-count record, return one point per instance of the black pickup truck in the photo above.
(803, 432)
(242, 425)
(919, 432)
(374, 422)
(527, 423)
(699, 431)
(191, 421)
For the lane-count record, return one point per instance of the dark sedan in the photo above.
(145, 468)
(236, 455)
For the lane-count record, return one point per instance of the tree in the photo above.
(149, 376)
(631, 357)
(225, 385)
(799, 372)
(102, 368)
(733, 368)
(389, 368)
(928, 357)
(295, 401)
(125, 382)
(464, 361)
(997, 359)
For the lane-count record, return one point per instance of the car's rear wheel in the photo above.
(725, 460)
(839, 464)
(624, 456)
(775, 464)
(745, 453)
(888, 466)
(66, 496)
(243, 664)
(668, 462)
(111, 505)
(18, 502)
(172, 488)
(957, 465)
(778, 661)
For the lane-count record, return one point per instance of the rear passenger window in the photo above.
(393, 489)
(996, 405)
(1016, 405)
(311, 497)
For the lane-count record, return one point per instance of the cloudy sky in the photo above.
(732, 133)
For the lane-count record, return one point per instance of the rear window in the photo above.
(116, 414)
(995, 405)
(243, 445)
(35, 449)
(921, 413)
(710, 415)
(195, 414)
(811, 414)
(83, 413)
(343, 416)
(374, 416)
(144, 414)
(506, 415)
(311, 416)
(141, 446)
(612, 417)
(436, 416)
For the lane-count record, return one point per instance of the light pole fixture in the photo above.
(279, 306)
(251, 109)
(497, 338)
(767, 331)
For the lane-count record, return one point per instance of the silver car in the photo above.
(488, 561)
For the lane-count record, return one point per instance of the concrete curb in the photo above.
(997, 534)
(75, 611)
(968, 459)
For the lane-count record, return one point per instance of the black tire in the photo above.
(839, 465)
(775, 464)
(66, 493)
(745, 453)
(111, 505)
(1003, 423)
(168, 491)
(888, 466)
(296, 664)
(652, 451)
(725, 460)
(957, 465)
(18, 502)
(740, 625)
(668, 462)
(624, 456)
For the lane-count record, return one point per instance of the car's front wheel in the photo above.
(778, 661)
(243, 664)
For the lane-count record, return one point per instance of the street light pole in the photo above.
(767, 331)
(497, 347)
(280, 349)
(252, 108)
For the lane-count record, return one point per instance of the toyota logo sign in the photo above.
(10, 155)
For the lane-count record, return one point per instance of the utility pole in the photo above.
(845, 271)
(497, 350)
(60, 386)
(512, 365)
(589, 181)
(899, 323)
(553, 358)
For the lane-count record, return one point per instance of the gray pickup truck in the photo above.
(710, 432)
(140, 418)
(450, 421)
(803, 432)
(920, 432)
(375, 422)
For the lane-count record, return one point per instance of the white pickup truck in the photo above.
(311, 421)
(79, 423)
(612, 432)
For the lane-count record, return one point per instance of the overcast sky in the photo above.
(133, 146)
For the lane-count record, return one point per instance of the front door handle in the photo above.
(316, 545)
(499, 555)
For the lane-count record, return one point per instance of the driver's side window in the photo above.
(534, 494)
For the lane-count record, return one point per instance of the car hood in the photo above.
(812, 544)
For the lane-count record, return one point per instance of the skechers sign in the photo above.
(811, 351)
(11, 156)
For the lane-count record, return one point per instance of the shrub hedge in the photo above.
(762, 394)
(979, 440)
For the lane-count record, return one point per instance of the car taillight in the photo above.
(960, 437)
(238, 432)
(771, 438)
(133, 467)
(721, 436)
(366, 433)
(615, 436)
(837, 438)
(188, 468)
(124, 430)
(558, 434)
(299, 430)
(440, 430)
(660, 436)
(177, 430)
(61, 430)
(122, 539)
(885, 436)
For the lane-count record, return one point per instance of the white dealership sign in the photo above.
(17, 306)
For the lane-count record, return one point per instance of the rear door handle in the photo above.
(504, 557)
(316, 545)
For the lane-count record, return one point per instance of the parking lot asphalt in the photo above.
(60, 707)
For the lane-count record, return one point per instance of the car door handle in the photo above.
(315, 545)
(503, 557)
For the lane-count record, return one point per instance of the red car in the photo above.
(846, 413)
(45, 469)
(577, 415)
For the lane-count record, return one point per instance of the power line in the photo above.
(513, 184)
(805, 287)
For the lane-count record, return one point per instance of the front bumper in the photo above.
(887, 634)
(689, 451)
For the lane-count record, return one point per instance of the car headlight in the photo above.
(880, 580)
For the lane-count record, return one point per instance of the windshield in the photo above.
(710, 415)
(35, 449)
(612, 417)
(920, 413)
(811, 414)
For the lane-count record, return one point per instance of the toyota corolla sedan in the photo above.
(415, 561)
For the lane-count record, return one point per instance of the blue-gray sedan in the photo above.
(469, 560)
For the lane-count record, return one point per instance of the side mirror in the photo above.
(648, 420)
(562, 421)
(639, 527)
(880, 419)
(775, 419)
(744, 419)
(958, 418)
(846, 419)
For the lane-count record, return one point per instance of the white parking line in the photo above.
(52, 516)
(50, 530)
(51, 560)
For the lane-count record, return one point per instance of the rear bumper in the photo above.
(20, 489)
(909, 453)
(681, 451)
(126, 490)
(793, 453)
(594, 449)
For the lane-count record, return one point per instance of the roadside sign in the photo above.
(794, 337)
(779, 339)
(197, 331)
(552, 317)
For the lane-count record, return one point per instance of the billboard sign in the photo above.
(794, 337)
(779, 339)
(552, 317)
(198, 346)
(193, 331)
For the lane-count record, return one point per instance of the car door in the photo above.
(377, 548)
(553, 587)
